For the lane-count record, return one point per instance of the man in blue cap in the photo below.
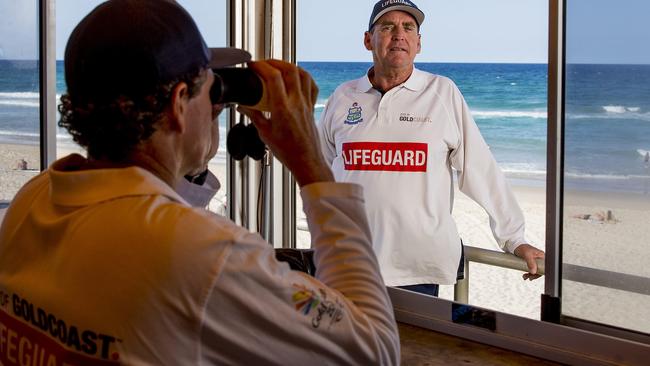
(399, 131)
(103, 263)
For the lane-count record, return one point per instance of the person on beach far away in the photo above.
(399, 131)
(102, 262)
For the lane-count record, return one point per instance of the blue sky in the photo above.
(453, 31)
(599, 31)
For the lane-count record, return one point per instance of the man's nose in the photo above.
(398, 33)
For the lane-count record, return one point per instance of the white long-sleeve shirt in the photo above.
(401, 147)
(112, 265)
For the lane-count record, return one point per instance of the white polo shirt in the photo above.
(401, 147)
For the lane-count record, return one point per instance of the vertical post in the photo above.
(47, 80)
(288, 181)
(554, 171)
(236, 171)
(461, 288)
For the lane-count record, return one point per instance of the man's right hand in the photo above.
(290, 131)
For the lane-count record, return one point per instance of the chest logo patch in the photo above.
(354, 115)
(385, 156)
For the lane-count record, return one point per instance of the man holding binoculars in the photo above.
(102, 262)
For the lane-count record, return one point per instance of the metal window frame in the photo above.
(266, 28)
(47, 81)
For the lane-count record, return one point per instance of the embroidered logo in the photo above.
(354, 115)
(308, 302)
(407, 117)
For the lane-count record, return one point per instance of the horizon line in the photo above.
(423, 62)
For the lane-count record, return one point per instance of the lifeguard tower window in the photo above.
(498, 59)
(605, 276)
(19, 97)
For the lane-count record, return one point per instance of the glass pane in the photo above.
(19, 97)
(607, 168)
(498, 61)
(210, 16)
(68, 14)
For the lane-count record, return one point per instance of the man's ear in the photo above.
(367, 40)
(419, 43)
(179, 99)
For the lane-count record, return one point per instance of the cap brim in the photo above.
(227, 56)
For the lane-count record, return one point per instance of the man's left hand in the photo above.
(529, 253)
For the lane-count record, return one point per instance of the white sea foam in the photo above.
(509, 114)
(516, 171)
(597, 176)
(19, 95)
(628, 114)
(523, 172)
(620, 109)
(20, 99)
(614, 108)
(319, 106)
(20, 103)
(18, 134)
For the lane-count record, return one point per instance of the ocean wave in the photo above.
(319, 106)
(523, 172)
(628, 114)
(20, 99)
(540, 174)
(20, 95)
(479, 114)
(20, 103)
(18, 134)
(620, 109)
(575, 175)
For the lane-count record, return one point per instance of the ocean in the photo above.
(607, 112)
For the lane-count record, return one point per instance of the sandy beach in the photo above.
(607, 231)
(618, 244)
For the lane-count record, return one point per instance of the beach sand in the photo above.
(619, 244)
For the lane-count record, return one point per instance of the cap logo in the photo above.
(393, 2)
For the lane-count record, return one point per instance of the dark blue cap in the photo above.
(384, 6)
(129, 47)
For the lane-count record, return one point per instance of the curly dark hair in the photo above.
(112, 130)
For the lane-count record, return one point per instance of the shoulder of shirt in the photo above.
(346, 86)
(442, 80)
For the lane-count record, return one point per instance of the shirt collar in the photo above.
(415, 82)
(72, 186)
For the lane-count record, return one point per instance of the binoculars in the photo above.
(241, 86)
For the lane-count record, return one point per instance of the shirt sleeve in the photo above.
(480, 178)
(261, 312)
(327, 143)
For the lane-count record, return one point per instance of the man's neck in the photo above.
(154, 163)
(385, 80)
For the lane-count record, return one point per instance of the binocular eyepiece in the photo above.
(239, 86)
